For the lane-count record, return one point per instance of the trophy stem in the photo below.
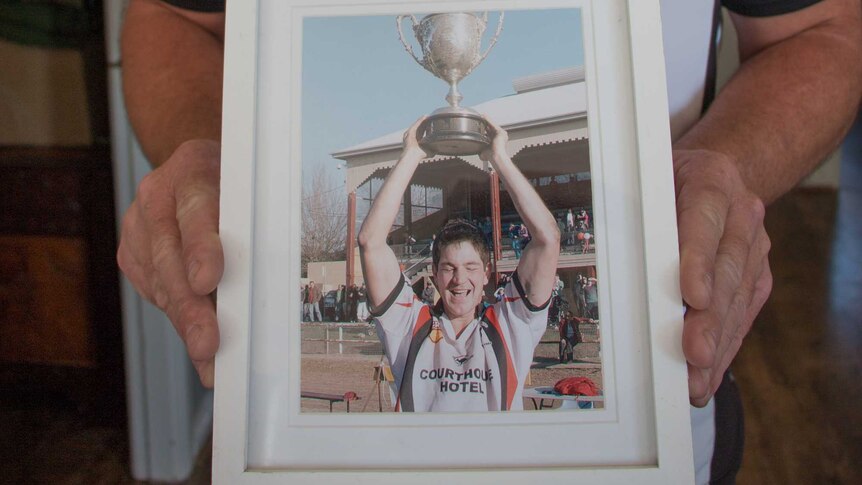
(454, 97)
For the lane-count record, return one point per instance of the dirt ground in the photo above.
(353, 368)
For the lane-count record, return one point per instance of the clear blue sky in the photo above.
(359, 82)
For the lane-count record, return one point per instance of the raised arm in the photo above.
(793, 98)
(538, 263)
(169, 244)
(379, 265)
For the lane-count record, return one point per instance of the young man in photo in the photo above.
(460, 355)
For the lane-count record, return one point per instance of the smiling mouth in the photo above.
(460, 292)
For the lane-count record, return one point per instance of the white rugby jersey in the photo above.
(483, 369)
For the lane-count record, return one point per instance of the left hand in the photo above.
(499, 139)
(724, 269)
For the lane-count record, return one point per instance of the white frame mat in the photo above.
(643, 433)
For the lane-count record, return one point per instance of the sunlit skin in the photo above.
(460, 277)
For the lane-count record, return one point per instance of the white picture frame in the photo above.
(642, 435)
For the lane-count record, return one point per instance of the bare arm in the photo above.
(538, 264)
(172, 75)
(379, 264)
(169, 244)
(793, 99)
(789, 104)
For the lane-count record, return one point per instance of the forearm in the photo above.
(172, 77)
(387, 202)
(787, 107)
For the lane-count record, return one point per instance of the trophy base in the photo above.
(454, 131)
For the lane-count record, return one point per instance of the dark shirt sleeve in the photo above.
(766, 8)
(198, 5)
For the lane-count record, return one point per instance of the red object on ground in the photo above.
(576, 386)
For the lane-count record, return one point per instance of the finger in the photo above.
(192, 315)
(701, 213)
(201, 334)
(197, 219)
(206, 372)
(736, 322)
(698, 386)
(133, 253)
(415, 126)
(490, 122)
(751, 296)
(745, 303)
(703, 331)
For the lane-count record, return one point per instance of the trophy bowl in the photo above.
(450, 44)
(454, 131)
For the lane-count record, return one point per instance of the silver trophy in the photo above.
(451, 44)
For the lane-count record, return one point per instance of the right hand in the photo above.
(170, 248)
(411, 142)
(499, 140)
(724, 266)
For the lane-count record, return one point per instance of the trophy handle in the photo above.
(406, 44)
(493, 39)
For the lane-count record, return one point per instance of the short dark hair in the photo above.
(456, 231)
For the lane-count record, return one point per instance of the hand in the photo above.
(412, 149)
(499, 139)
(724, 269)
(170, 248)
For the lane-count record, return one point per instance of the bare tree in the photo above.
(324, 219)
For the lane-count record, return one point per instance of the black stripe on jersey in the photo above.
(390, 300)
(533, 308)
(500, 353)
(405, 394)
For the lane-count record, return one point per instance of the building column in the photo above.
(408, 211)
(495, 216)
(350, 243)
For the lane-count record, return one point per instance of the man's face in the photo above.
(460, 277)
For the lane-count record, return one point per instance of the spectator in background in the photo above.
(591, 298)
(408, 243)
(515, 235)
(303, 306)
(428, 294)
(570, 336)
(586, 242)
(584, 219)
(362, 304)
(313, 299)
(580, 296)
(352, 301)
(487, 231)
(340, 298)
(525, 236)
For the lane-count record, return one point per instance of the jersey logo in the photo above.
(510, 299)
(436, 333)
(461, 359)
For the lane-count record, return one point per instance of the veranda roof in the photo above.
(546, 109)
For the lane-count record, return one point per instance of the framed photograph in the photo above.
(319, 379)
